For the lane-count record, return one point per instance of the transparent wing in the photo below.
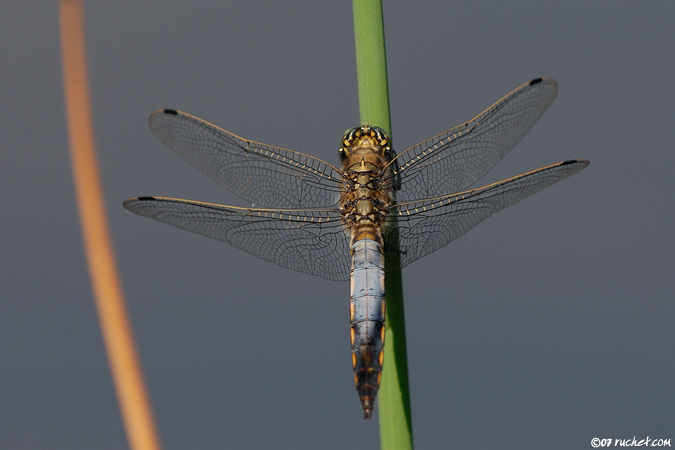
(309, 241)
(457, 158)
(427, 225)
(261, 174)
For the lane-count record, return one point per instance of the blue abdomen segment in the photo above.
(366, 314)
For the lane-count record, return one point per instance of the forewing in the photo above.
(457, 158)
(308, 241)
(262, 174)
(428, 225)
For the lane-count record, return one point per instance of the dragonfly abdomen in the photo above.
(366, 315)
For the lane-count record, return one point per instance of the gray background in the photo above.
(546, 326)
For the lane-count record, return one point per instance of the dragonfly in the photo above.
(377, 212)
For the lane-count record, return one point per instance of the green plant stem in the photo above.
(371, 66)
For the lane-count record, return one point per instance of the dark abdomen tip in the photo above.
(367, 408)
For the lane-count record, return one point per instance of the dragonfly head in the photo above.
(365, 142)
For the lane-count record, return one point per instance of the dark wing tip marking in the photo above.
(173, 112)
(128, 203)
(585, 162)
(536, 81)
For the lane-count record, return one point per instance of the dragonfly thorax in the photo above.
(365, 153)
(364, 211)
